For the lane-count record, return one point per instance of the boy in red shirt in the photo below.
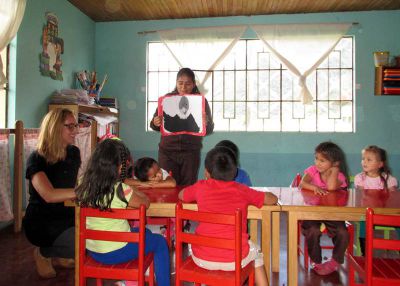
(220, 194)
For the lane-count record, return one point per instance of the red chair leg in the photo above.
(251, 279)
(305, 253)
(168, 230)
(99, 282)
(350, 248)
(151, 274)
(298, 237)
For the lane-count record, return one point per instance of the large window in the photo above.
(3, 90)
(251, 91)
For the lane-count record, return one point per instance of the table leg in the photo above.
(77, 214)
(253, 230)
(292, 258)
(275, 241)
(266, 242)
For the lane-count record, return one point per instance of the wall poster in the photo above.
(52, 48)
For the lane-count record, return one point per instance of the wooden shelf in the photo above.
(83, 108)
(91, 110)
(379, 74)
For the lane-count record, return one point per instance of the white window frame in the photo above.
(339, 114)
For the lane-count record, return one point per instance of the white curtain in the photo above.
(209, 45)
(301, 47)
(11, 14)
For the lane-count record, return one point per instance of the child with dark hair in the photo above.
(102, 187)
(328, 174)
(241, 175)
(220, 194)
(148, 174)
(376, 175)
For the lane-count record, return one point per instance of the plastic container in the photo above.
(381, 59)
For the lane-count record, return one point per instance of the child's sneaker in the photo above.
(163, 231)
(315, 266)
(328, 267)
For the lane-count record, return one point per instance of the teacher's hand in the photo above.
(157, 121)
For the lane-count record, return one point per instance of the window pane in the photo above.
(249, 90)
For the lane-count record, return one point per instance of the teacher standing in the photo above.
(180, 154)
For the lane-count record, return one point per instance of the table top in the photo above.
(349, 198)
(162, 195)
(293, 197)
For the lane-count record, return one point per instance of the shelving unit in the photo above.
(91, 110)
(379, 81)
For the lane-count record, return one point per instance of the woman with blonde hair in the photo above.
(52, 173)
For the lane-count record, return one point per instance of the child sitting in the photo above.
(220, 194)
(103, 188)
(148, 174)
(241, 175)
(375, 175)
(327, 175)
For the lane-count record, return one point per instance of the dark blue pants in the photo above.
(154, 243)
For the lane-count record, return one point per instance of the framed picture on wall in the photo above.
(52, 48)
(182, 114)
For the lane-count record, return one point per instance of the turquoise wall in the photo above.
(29, 91)
(270, 158)
(28, 101)
(115, 48)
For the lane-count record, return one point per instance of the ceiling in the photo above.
(128, 10)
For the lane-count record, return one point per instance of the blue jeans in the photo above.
(154, 243)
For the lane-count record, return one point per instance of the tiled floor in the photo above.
(18, 268)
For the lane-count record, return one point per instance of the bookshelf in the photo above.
(380, 81)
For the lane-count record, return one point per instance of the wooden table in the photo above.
(340, 205)
(162, 204)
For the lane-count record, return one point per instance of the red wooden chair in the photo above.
(350, 228)
(187, 270)
(376, 270)
(132, 270)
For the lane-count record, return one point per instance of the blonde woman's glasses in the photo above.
(72, 126)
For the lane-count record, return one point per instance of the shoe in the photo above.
(63, 262)
(43, 265)
(327, 268)
(315, 266)
(187, 226)
(362, 245)
(163, 231)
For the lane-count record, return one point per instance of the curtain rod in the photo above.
(144, 33)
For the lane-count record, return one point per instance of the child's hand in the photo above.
(333, 170)
(319, 191)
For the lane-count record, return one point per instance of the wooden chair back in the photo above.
(134, 270)
(197, 275)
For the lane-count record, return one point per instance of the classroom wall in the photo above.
(271, 158)
(29, 100)
(29, 91)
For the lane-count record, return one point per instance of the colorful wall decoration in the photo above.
(52, 48)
